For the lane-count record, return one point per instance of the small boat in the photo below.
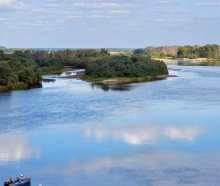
(22, 182)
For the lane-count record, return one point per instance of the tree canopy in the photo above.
(188, 51)
(19, 73)
(124, 66)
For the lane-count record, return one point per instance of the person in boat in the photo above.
(18, 179)
(9, 180)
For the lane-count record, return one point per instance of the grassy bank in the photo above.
(52, 70)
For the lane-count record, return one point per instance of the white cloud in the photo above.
(165, 3)
(209, 4)
(95, 5)
(174, 23)
(3, 19)
(11, 4)
(161, 20)
(119, 11)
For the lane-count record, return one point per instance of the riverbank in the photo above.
(124, 80)
(200, 60)
(191, 62)
(18, 86)
(3, 88)
(196, 60)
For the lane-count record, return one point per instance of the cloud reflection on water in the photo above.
(15, 147)
(151, 167)
(144, 133)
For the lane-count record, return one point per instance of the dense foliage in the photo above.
(196, 51)
(123, 66)
(19, 73)
(23, 69)
(161, 52)
(207, 51)
(60, 58)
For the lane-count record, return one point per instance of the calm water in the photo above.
(163, 133)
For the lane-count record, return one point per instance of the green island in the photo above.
(125, 69)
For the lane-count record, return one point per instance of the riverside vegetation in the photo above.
(18, 72)
(24, 69)
(124, 69)
(211, 52)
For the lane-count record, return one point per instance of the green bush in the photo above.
(19, 73)
(17, 86)
(5, 73)
(123, 66)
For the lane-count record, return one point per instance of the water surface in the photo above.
(71, 132)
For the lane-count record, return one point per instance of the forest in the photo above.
(18, 72)
(195, 51)
(124, 66)
(23, 69)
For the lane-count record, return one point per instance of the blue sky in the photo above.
(108, 23)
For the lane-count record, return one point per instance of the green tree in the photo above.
(123, 66)
(2, 55)
(5, 73)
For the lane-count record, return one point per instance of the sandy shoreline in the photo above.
(115, 81)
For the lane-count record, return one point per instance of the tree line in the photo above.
(23, 69)
(196, 51)
(48, 59)
(207, 51)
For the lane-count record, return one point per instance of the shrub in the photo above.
(123, 66)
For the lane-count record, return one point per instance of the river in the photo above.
(70, 132)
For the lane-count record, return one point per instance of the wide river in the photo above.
(70, 132)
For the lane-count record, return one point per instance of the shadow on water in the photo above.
(17, 183)
(49, 80)
(106, 88)
(5, 94)
(189, 63)
(193, 63)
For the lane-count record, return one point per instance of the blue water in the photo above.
(70, 132)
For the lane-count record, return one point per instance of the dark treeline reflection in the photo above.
(48, 80)
(106, 88)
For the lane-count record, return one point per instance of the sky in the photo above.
(108, 23)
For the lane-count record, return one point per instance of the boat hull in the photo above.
(22, 183)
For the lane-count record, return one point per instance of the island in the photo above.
(125, 69)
